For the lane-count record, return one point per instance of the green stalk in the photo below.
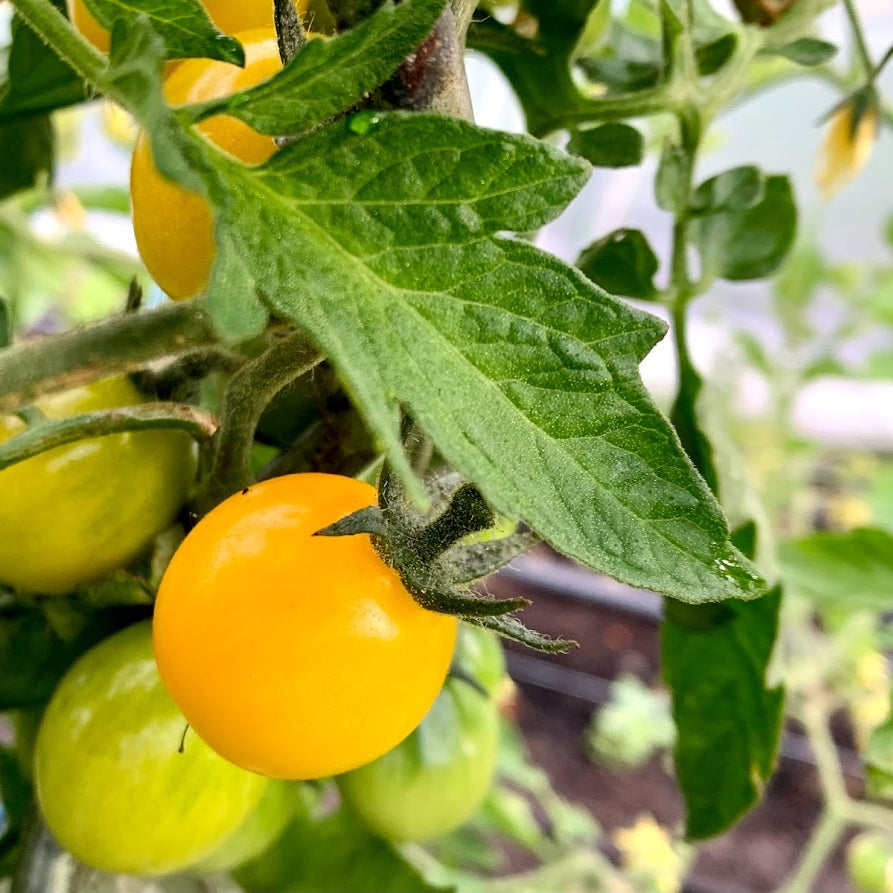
(49, 23)
(859, 39)
(250, 391)
(48, 435)
(118, 345)
(824, 836)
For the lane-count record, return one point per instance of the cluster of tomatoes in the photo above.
(273, 656)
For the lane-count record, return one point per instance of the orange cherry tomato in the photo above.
(174, 228)
(230, 16)
(294, 655)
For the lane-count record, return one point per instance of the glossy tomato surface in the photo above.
(433, 782)
(295, 655)
(174, 228)
(73, 514)
(112, 785)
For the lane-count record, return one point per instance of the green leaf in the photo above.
(807, 51)
(37, 648)
(684, 416)
(728, 722)
(621, 75)
(328, 76)
(383, 247)
(540, 70)
(670, 182)
(610, 145)
(27, 149)
(710, 57)
(878, 761)
(15, 789)
(335, 854)
(733, 190)
(852, 571)
(751, 243)
(622, 263)
(37, 81)
(629, 61)
(184, 25)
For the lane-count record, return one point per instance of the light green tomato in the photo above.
(111, 784)
(258, 831)
(479, 654)
(75, 513)
(435, 780)
(869, 860)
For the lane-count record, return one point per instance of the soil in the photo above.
(756, 855)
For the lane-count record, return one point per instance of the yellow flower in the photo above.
(848, 143)
(649, 856)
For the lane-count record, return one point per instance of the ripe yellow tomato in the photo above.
(112, 784)
(173, 227)
(229, 16)
(75, 513)
(294, 655)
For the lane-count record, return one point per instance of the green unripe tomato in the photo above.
(112, 785)
(258, 831)
(436, 778)
(869, 860)
(75, 513)
(479, 654)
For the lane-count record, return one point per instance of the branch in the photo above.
(45, 436)
(249, 392)
(118, 345)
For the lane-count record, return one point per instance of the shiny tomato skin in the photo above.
(75, 513)
(294, 655)
(112, 785)
(174, 228)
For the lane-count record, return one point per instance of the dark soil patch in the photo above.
(755, 856)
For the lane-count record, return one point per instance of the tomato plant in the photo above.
(112, 784)
(434, 780)
(315, 659)
(77, 512)
(369, 302)
(173, 227)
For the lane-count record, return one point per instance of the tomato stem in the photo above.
(122, 344)
(47, 435)
(250, 391)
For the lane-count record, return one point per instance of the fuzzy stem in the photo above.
(250, 391)
(55, 30)
(144, 417)
(118, 345)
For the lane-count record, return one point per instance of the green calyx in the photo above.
(434, 564)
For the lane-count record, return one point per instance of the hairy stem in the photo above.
(48, 435)
(249, 392)
(49, 23)
(118, 345)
